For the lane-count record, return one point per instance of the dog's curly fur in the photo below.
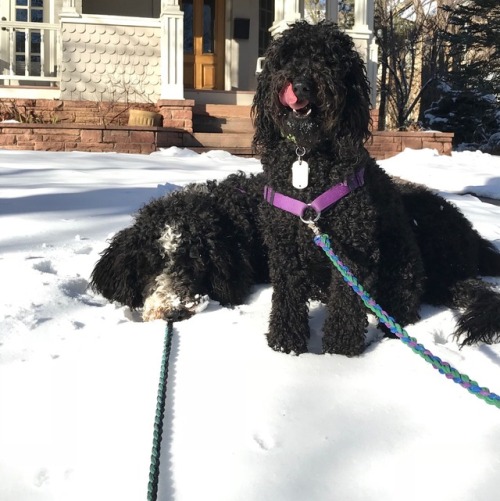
(196, 242)
(405, 244)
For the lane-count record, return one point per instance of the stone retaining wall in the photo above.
(176, 113)
(91, 126)
(72, 137)
(385, 144)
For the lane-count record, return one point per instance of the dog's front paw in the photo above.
(341, 346)
(287, 343)
(172, 310)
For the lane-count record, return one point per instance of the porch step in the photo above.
(220, 141)
(222, 110)
(207, 123)
(223, 127)
(222, 118)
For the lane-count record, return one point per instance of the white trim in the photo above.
(15, 92)
(113, 20)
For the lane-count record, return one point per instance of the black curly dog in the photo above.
(405, 244)
(197, 242)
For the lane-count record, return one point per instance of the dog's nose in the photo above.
(302, 88)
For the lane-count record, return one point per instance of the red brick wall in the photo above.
(134, 139)
(90, 126)
(385, 144)
(176, 113)
(72, 137)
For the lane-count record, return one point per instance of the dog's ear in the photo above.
(356, 114)
(266, 131)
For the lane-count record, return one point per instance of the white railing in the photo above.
(41, 43)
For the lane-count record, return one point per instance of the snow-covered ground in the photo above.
(79, 376)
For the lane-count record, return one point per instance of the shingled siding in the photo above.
(103, 62)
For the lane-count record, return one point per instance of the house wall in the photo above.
(242, 54)
(115, 59)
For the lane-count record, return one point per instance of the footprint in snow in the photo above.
(264, 442)
(439, 337)
(42, 477)
(45, 267)
(74, 287)
(84, 250)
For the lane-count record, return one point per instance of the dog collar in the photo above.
(319, 204)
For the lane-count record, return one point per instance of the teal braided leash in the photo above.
(154, 469)
(323, 242)
(444, 368)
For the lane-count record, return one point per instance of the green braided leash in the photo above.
(444, 368)
(154, 469)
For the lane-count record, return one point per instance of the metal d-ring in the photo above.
(300, 149)
(309, 221)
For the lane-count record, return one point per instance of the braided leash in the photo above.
(322, 241)
(154, 469)
(444, 368)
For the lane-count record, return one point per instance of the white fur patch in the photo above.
(160, 301)
(169, 240)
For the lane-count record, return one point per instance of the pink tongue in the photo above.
(288, 98)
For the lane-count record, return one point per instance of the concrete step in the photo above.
(208, 123)
(239, 152)
(218, 140)
(222, 110)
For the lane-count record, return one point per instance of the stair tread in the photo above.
(206, 123)
(222, 110)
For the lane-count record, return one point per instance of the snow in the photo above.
(79, 376)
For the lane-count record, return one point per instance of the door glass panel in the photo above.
(187, 7)
(208, 26)
(35, 46)
(37, 16)
(20, 41)
(22, 15)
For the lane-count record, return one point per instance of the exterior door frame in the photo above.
(205, 70)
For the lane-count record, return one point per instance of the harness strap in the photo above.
(319, 204)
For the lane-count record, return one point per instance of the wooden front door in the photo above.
(203, 44)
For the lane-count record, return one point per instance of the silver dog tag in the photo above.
(300, 174)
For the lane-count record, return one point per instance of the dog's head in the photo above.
(312, 89)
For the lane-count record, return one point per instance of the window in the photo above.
(29, 40)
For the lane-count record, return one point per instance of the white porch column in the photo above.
(363, 15)
(172, 50)
(332, 10)
(362, 34)
(71, 8)
(286, 12)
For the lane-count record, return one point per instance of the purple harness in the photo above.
(319, 204)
